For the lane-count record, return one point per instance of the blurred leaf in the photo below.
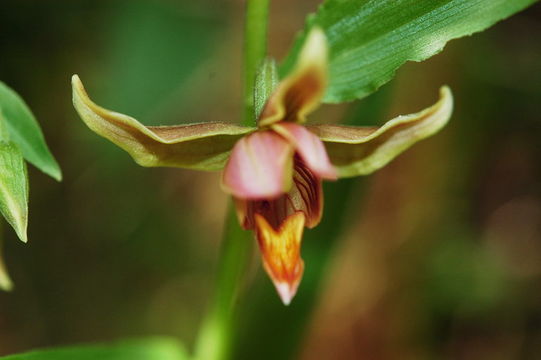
(5, 280)
(369, 40)
(13, 183)
(13, 188)
(24, 131)
(150, 349)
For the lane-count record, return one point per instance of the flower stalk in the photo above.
(255, 50)
(215, 335)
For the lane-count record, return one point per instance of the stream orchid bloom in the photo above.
(274, 171)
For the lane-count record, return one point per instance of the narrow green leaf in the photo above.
(370, 39)
(150, 349)
(24, 131)
(13, 186)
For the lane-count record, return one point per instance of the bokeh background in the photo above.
(437, 256)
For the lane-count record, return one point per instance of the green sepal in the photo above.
(358, 151)
(202, 146)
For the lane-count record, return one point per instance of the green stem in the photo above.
(214, 339)
(255, 50)
(215, 336)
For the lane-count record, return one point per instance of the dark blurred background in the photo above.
(437, 256)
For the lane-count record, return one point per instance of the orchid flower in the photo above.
(273, 171)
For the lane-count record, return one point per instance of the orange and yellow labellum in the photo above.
(281, 253)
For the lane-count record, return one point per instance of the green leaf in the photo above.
(149, 349)
(13, 183)
(24, 131)
(370, 39)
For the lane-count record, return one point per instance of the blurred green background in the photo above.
(437, 256)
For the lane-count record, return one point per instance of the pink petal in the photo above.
(260, 167)
(309, 147)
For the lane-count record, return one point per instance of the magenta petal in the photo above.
(309, 147)
(260, 167)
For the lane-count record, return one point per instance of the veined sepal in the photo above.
(201, 146)
(358, 151)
